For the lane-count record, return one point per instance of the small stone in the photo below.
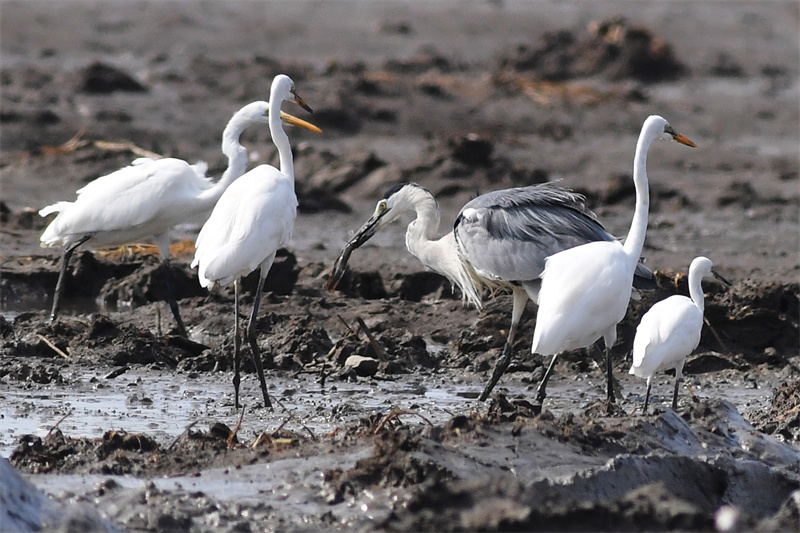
(363, 366)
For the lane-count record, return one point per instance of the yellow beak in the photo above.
(294, 121)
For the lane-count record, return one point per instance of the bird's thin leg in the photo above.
(236, 345)
(173, 303)
(541, 393)
(251, 337)
(609, 377)
(678, 376)
(647, 394)
(520, 299)
(60, 283)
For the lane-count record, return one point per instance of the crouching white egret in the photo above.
(586, 289)
(253, 218)
(499, 239)
(670, 330)
(148, 198)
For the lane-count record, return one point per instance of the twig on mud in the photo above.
(77, 141)
(349, 329)
(70, 146)
(716, 335)
(394, 414)
(292, 417)
(185, 431)
(236, 429)
(52, 346)
(129, 146)
(375, 346)
(57, 424)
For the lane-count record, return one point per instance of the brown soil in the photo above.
(462, 99)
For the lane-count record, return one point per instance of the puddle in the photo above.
(163, 404)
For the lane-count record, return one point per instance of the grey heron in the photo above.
(585, 290)
(147, 199)
(670, 330)
(499, 239)
(253, 218)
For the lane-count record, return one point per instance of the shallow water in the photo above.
(162, 405)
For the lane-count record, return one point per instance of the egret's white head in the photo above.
(283, 89)
(659, 128)
(702, 267)
(258, 113)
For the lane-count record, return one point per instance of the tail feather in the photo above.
(55, 208)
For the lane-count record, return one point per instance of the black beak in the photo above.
(364, 233)
(720, 277)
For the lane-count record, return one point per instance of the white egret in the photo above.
(148, 198)
(670, 330)
(253, 218)
(585, 290)
(499, 239)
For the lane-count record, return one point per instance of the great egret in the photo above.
(499, 239)
(148, 198)
(670, 330)
(253, 218)
(585, 290)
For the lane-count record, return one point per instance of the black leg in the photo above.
(237, 341)
(647, 394)
(675, 393)
(609, 377)
(497, 373)
(251, 337)
(173, 303)
(541, 393)
(60, 283)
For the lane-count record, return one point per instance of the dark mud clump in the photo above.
(783, 416)
(613, 48)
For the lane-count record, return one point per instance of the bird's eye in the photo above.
(382, 207)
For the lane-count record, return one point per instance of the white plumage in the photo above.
(670, 331)
(585, 290)
(147, 199)
(251, 221)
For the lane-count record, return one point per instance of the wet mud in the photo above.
(113, 420)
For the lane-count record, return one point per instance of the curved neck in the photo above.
(635, 240)
(280, 138)
(421, 232)
(423, 228)
(237, 159)
(696, 288)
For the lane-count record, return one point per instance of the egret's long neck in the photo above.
(635, 240)
(237, 160)
(280, 138)
(696, 290)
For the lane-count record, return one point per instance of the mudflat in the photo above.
(122, 422)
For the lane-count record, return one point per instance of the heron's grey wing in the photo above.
(508, 234)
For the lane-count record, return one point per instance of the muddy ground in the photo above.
(126, 425)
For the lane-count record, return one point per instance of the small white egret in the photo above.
(253, 218)
(148, 198)
(499, 239)
(670, 330)
(585, 290)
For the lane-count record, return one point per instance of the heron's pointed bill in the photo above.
(364, 233)
(294, 121)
